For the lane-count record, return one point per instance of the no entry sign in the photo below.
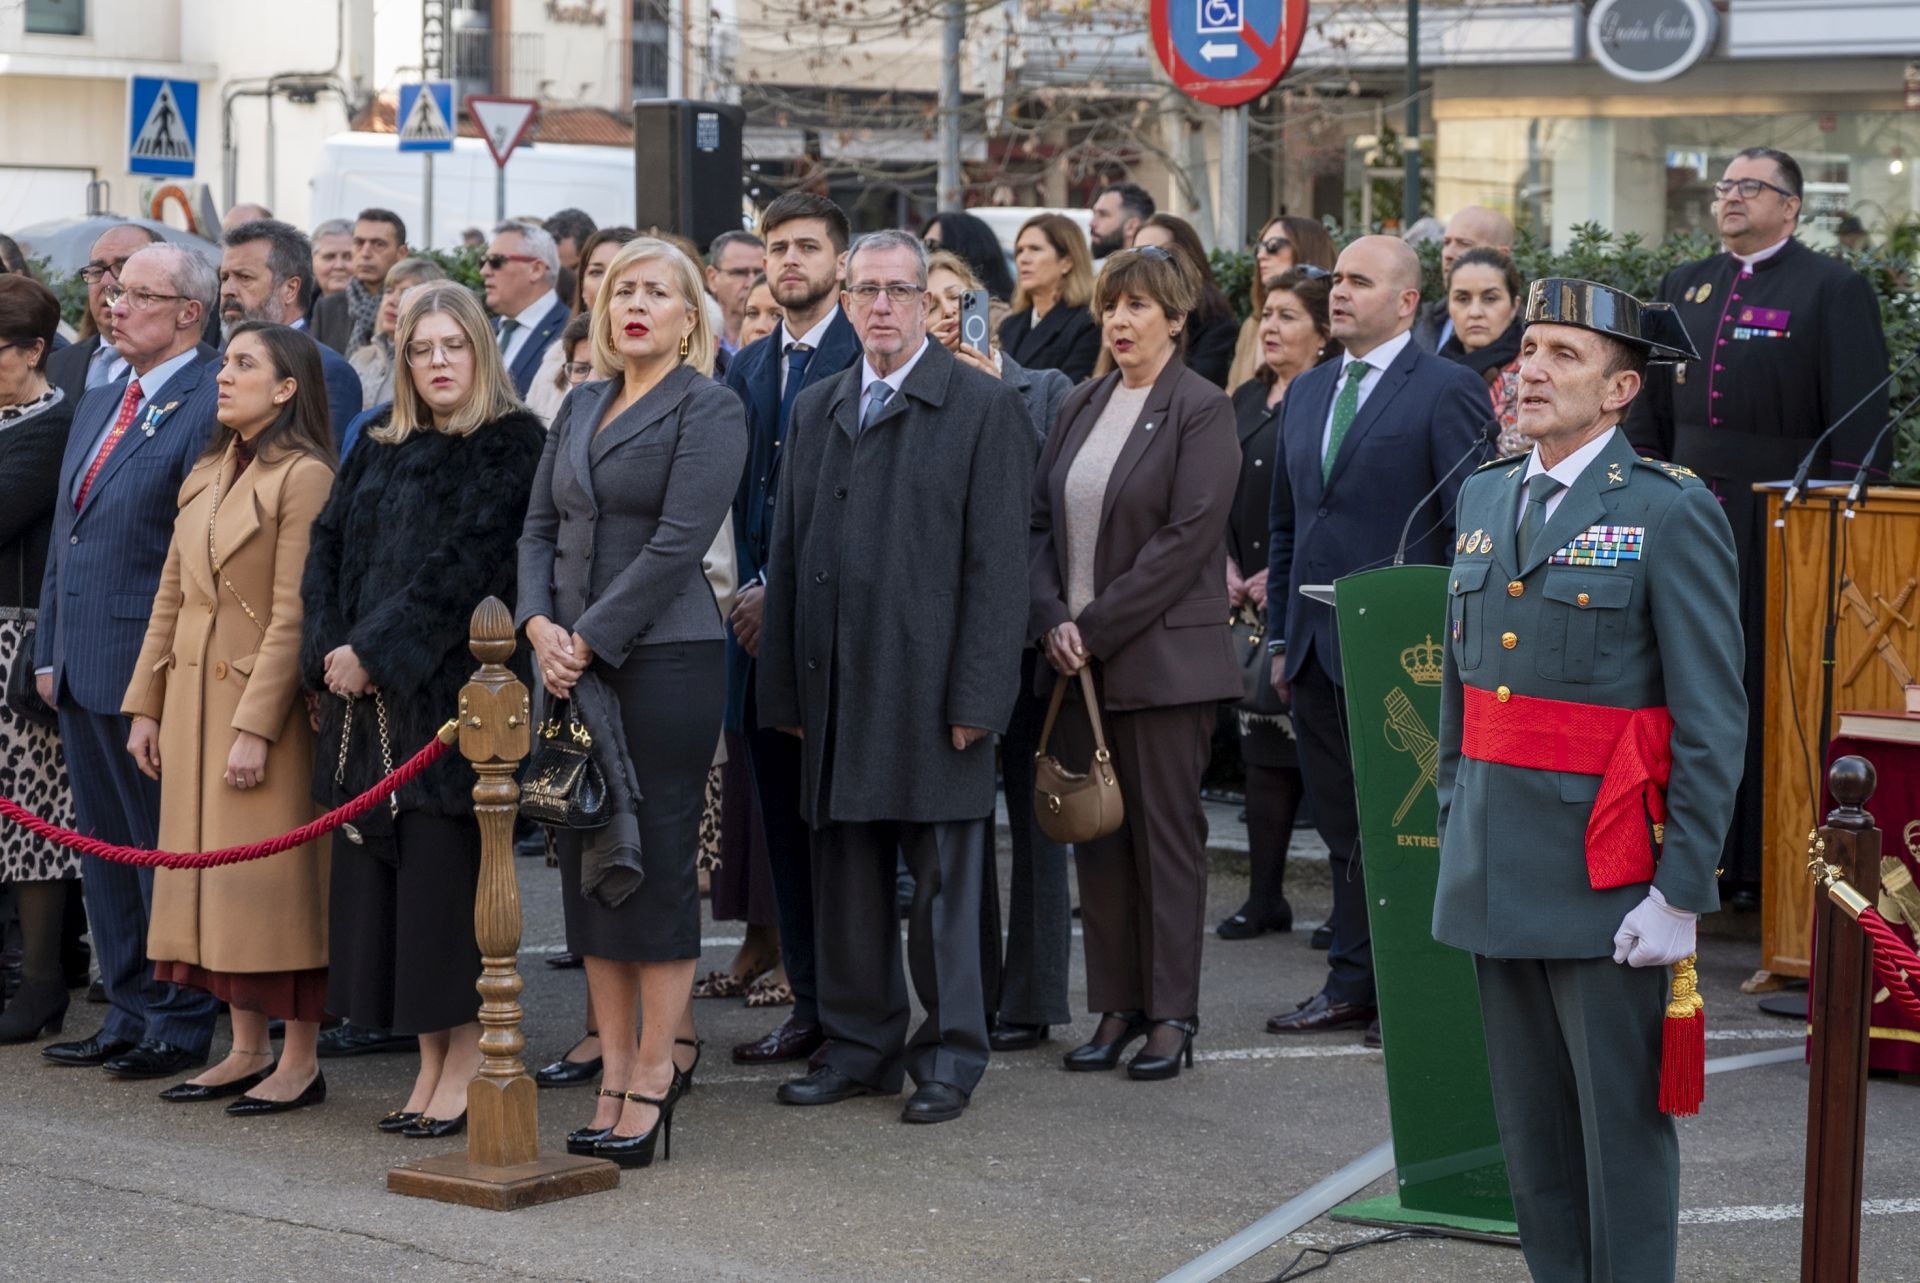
(1227, 52)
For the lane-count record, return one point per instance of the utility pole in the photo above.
(952, 187)
(433, 34)
(1230, 232)
(1410, 206)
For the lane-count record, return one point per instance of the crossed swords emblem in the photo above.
(1879, 628)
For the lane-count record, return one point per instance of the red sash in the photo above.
(1630, 749)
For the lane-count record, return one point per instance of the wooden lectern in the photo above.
(1876, 650)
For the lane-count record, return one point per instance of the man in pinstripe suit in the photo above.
(132, 444)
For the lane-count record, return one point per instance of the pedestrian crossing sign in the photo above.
(425, 116)
(163, 119)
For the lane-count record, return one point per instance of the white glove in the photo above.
(1655, 934)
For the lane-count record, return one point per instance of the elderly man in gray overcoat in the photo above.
(894, 621)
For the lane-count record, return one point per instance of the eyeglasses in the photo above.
(1273, 245)
(92, 272)
(420, 352)
(1748, 188)
(579, 371)
(139, 300)
(498, 261)
(898, 293)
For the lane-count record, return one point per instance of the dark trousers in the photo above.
(1033, 984)
(1320, 729)
(113, 801)
(779, 765)
(1143, 887)
(863, 997)
(1573, 1045)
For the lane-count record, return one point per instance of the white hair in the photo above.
(538, 244)
(332, 227)
(191, 276)
(892, 238)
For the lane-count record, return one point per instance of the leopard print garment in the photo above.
(33, 773)
(710, 824)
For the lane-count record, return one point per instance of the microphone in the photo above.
(1489, 432)
(1856, 491)
(1799, 486)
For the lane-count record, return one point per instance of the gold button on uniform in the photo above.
(1515, 588)
(1583, 599)
(220, 671)
(1509, 640)
(1502, 693)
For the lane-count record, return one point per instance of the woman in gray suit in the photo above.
(638, 474)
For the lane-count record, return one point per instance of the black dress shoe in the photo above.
(935, 1103)
(1006, 1036)
(1250, 925)
(88, 1053)
(568, 1073)
(1372, 1036)
(1149, 1068)
(97, 993)
(1322, 937)
(358, 1040)
(566, 962)
(1092, 1057)
(194, 1093)
(424, 1128)
(154, 1060)
(791, 1039)
(313, 1094)
(824, 1086)
(1317, 1016)
(398, 1120)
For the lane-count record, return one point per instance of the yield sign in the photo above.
(503, 122)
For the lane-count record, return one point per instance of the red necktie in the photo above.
(128, 404)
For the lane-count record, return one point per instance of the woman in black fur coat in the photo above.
(420, 529)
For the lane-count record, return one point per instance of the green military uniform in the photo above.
(1628, 598)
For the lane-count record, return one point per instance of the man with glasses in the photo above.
(892, 653)
(132, 443)
(1790, 340)
(92, 362)
(520, 268)
(345, 321)
(733, 260)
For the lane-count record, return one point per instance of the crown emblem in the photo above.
(1422, 662)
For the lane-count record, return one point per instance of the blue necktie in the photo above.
(797, 358)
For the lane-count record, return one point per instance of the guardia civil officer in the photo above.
(1590, 728)
(1790, 340)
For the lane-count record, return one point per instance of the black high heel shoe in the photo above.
(637, 1151)
(582, 1140)
(683, 1078)
(36, 1010)
(1145, 1068)
(1092, 1056)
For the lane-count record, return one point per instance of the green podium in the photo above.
(1446, 1144)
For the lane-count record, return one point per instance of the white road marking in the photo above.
(1789, 1211)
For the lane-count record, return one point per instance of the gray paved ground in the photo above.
(1049, 1176)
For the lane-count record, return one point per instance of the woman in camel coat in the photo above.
(219, 717)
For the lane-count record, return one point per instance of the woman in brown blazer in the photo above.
(1128, 574)
(219, 719)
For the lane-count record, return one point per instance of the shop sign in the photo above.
(1648, 41)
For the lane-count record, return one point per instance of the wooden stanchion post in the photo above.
(502, 1168)
(1839, 1007)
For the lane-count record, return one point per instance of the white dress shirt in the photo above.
(1566, 472)
(528, 322)
(868, 378)
(1377, 362)
(813, 338)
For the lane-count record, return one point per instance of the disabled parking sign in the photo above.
(1227, 52)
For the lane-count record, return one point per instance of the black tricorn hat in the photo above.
(1654, 328)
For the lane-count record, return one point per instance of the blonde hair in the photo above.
(1068, 241)
(945, 260)
(701, 351)
(492, 394)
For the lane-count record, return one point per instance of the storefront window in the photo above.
(57, 17)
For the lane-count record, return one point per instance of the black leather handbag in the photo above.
(1256, 665)
(23, 696)
(562, 785)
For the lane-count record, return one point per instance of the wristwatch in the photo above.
(1276, 645)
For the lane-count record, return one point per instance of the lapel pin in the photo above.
(1147, 428)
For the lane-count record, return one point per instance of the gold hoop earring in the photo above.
(686, 345)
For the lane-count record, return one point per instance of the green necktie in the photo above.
(1345, 406)
(1540, 488)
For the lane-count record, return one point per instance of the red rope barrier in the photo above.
(1898, 966)
(333, 819)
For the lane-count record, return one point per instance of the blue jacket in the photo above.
(104, 563)
(1423, 416)
(526, 362)
(754, 376)
(343, 393)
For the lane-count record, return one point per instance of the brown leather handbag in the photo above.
(1070, 806)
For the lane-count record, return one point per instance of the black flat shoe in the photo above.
(1322, 937)
(566, 962)
(1092, 1057)
(637, 1151)
(398, 1120)
(1246, 925)
(194, 1093)
(1007, 1036)
(568, 1073)
(358, 1040)
(1145, 1068)
(683, 1078)
(583, 1139)
(313, 1094)
(424, 1128)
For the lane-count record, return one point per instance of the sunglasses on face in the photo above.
(1749, 188)
(498, 261)
(1273, 245)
